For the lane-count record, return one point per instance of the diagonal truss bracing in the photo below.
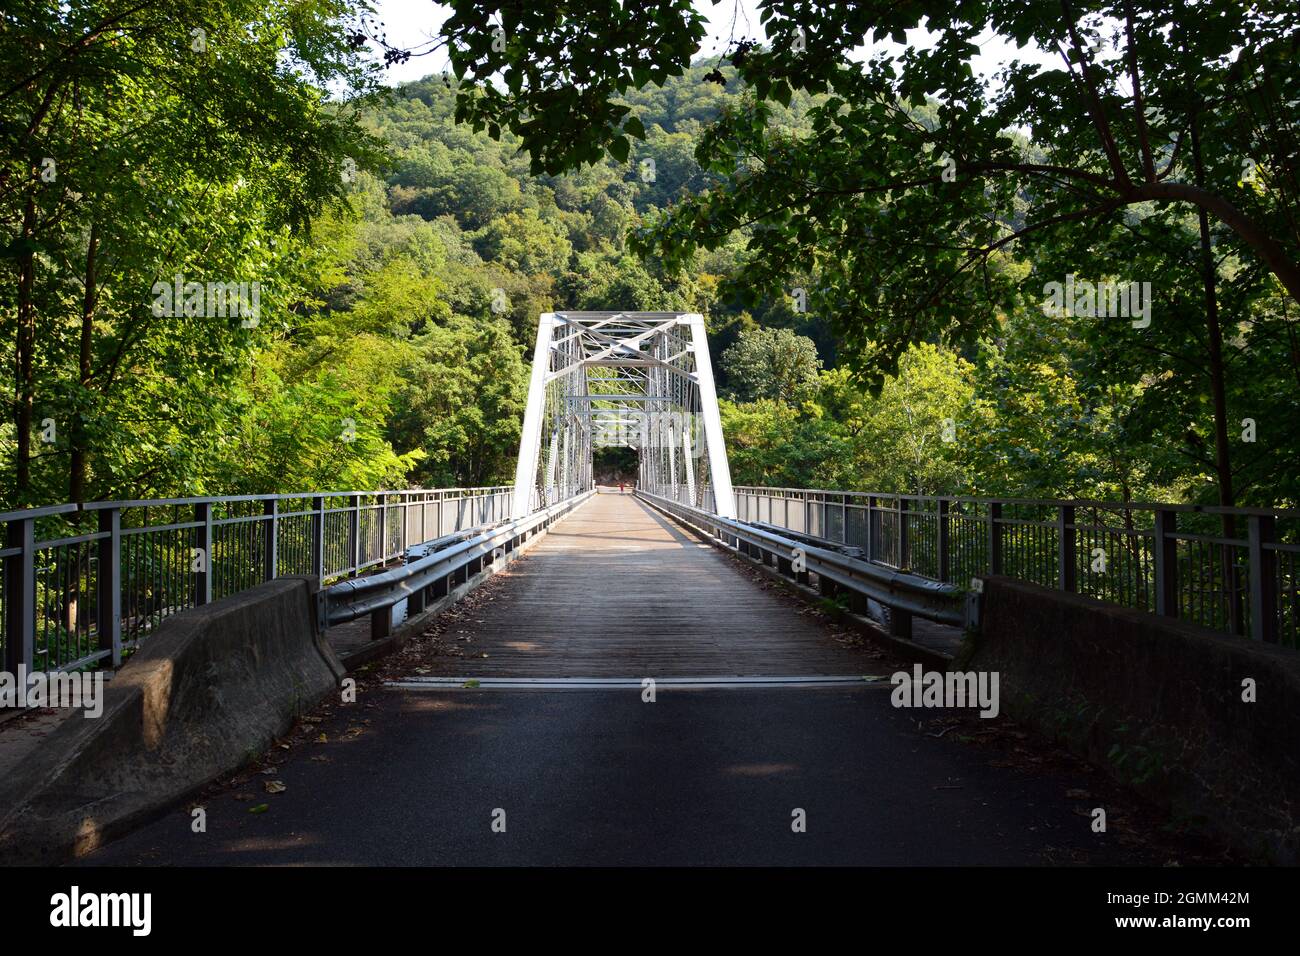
(636, 379)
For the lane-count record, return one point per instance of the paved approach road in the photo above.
(599, 777)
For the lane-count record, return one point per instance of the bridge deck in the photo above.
(617, 590)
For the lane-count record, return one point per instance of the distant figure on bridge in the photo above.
(620, 487)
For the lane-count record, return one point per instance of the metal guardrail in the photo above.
(81, 584)
(434, 575)
(1173, 560)
(904, 594)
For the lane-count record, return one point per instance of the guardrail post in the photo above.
(900, 623)
(203, 534)
(1166, 555)
(271, 509)
(944, 532)
(995, 537)
(381, 623)
(108, 584)
(1263, 579)
(904, 544)
(318, 538)
(20, 594)
(354, 535)
(1067, 566)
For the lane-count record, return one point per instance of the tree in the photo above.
(149, 142)
(771, 363)
(901, 215)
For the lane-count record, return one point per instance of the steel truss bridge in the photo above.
(641, 380)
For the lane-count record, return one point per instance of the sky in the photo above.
(411, 23)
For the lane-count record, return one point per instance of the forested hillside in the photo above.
(396, 316)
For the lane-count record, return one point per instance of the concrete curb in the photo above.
(1160, 705)
(212, 688)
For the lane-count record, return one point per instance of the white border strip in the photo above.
(628, 683)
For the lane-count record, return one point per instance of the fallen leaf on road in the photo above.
(260, 808)
(275, 786)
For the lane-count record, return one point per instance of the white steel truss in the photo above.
(636, 379)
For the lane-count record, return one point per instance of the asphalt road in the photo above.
(699, 777)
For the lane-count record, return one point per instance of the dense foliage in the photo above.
(876, 324)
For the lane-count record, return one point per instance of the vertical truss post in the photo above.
(531, 436)
(724, 497)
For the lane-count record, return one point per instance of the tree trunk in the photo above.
(1218, 395)
(78, 452)
(25, 347)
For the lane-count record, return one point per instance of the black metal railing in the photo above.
(82, 584)
(1229, 569)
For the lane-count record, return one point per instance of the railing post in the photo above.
(1067, 567)
(203, 534)
(944, 532)
(20, 594)
(108, 584)
(403, 526)
(995, 537)
(872, 525)
(1166, 555)
(354, 535)
(844, 519)
(904, 544)
(383, 529)
(271, 509)
(1263, 579)
(318, 537)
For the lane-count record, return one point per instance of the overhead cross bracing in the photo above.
(642, 380)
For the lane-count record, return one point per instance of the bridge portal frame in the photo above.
(648, 364)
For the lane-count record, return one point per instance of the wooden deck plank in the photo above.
(617, 590)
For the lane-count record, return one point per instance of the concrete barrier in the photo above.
(1160, 704)
(209, 691)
